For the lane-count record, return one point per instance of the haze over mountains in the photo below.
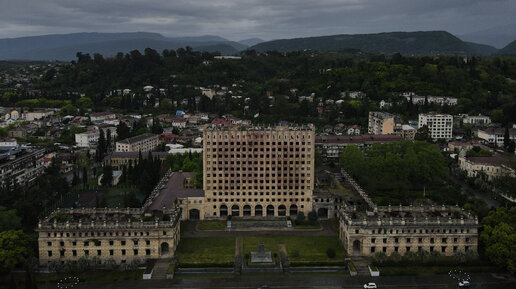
(63, 47)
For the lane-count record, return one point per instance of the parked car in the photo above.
(370, 286)
(464, 283)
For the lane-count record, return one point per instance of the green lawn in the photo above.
(306, 225)
(206, 252)
(212, 225)
(115, 196)
(430, 270)
(301, 250)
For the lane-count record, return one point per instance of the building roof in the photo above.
(137, 138)
(135, 154)
(495, 160)
(498, 130)
(174, 189)
(366, 138)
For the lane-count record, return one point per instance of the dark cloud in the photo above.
(237, 19)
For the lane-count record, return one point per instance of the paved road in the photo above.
(480, 281)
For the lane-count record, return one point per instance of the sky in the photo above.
(240, 19)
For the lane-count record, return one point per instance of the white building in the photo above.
(420, 100)
(7, 142)
(144, 142)
(478, 120)
(38, 114)
(495, 136)
(87, 139)
(439, 125)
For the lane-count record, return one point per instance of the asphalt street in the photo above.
(484, 281)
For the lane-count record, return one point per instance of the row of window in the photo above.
(262, 135)
(258, 193)
(258, 200)
(420, 249)
(99, 243)
(262, 149)
(100, 234)
(257, 168)
(420, 231)
(111, 252)
(419, 240)
(261, 175)
(238, 187)
(266, 162)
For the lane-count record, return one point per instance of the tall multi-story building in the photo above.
(21, 166)
(383, 123)
(144, 142)
(258, 171)
(439, 125)
(496, 136)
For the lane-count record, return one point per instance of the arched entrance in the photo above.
(356, 247)
(223, 210)
(194, 214)
(258, 211)
(235, 211)
(270, 210)
(322, 213)
(282, 211)
(247, 210)
(293, 210)
(165, 249)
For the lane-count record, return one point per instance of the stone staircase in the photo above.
(160, 269)
(361, 264)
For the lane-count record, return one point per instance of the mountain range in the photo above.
(63, 47)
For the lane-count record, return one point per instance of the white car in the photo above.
(464, 283)
(370, 286)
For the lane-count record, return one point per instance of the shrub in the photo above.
(330, 252)
(300, 218)
(294, 254)
(312, 216)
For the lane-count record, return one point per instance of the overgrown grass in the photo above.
(302, 251)
(307, 225)
(431, 270)
(212, 225)
(206, 252)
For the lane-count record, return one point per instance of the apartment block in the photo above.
(258, 171)
(383, 123)
(87, 139)
(144, 142)
(439, 125)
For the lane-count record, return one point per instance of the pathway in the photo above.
(238, 255)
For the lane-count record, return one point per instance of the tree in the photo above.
(506, 137)
(107, 176)
(9, 220)
(84, 177)
(352, 159)
(423, 134)
(122, 131)
(499, 237)
(101, 147)
(14, 249)
(312, 216)
(300, 218)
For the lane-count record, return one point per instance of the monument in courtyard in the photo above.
(261, 256)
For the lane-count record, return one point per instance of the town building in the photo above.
(21, 166)
(102, 116)
(38, 114)
(353, 130)
(144, 142)
(330, 146)
(383, 123)
(258, 171)
(420, 100)
(366, 229)
(88, 139)
(490, 167)
(120, 159)
(122, 235)
(440, 126)
(408, 132)
(495, 136)
(8, 143)
(476, 120)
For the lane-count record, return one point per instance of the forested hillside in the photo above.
(483, 85)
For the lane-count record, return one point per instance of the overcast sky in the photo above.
(239, 19)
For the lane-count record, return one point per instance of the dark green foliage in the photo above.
(300, 218)
(330, 252)
(14, 249)
(312, 216)
(499, 237)
(400, 172)
(107, 176)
